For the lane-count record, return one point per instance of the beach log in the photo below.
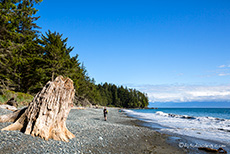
(208, 149)
(45, 116)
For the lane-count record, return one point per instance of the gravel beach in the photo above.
(119, 134)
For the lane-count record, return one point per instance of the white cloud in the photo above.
(224, 66)
(185, 93)
(223, 70)
(224, 74)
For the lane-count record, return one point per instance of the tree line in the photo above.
(112, 95)
(29, 59)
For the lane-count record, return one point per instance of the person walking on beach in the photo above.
(105, 113)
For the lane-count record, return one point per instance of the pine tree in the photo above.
(18, 45)
(56, 54)
(8, 42)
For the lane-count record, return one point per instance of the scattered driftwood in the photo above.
(46, 115)
(8, 107)
(82, 102)
(207, 149)
(12, 102)
(220, 150)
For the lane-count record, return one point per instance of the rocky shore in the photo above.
(119, 134)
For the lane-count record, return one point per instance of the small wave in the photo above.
(200, 127)
(174, 115)
(187, 117)
(161, 113)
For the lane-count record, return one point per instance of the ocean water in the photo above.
(211, 124)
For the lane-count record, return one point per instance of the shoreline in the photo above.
(119, 134)
(129, 136)
(191, 144)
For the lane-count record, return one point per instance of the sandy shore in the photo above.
(119, 134)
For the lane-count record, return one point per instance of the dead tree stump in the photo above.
(46, 115)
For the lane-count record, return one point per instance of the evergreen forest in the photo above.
(29, 59)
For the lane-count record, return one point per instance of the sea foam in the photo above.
(208, 128)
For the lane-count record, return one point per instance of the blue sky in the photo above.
(148, 43)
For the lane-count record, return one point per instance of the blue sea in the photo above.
(211, 124)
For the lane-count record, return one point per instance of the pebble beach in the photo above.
(119, 134)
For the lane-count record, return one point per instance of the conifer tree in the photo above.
(27, 62)
(17, 41)
(56, 54)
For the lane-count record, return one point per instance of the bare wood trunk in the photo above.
(46, 114)
(52, 76)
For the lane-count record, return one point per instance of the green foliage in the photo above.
(111, 95)
(28, 61)
(18, 46)
(56, 54)
(3, 99)
(22, 98)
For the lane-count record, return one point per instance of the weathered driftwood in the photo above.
(46, 114)
(12, 102)
(8, 107)
(220, 150)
